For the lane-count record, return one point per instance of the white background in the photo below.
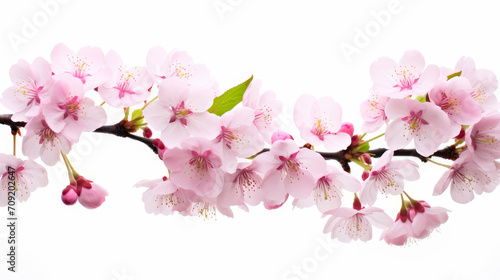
(294, 48)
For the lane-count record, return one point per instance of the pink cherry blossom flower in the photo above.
(289, 169)
(373, 112)
(426, 218)
(41, 141)
(483, 140)
(424, 123)
(128, 86)
(28, 94)
(492, 178)
(406, 78)
(327, 193)
(464, 178)
(398, 233)
(266, 109)
(387, 177)
(178, 64)
(206, 208)
(280, 136)
(90, 194)
(274, 204)
(163, 197)
(181, 111)
(87, 64)
(237, 138)
(454, 99)
(483, 81)
(416, 220)
(26, 175)
(348, 224)
(70, 110)
(319, 122)
(195, 166)
(243, 186)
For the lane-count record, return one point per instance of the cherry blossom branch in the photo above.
(115, 129)
(342, 157)
(5, 119)
(121, 131)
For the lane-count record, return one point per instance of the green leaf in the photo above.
(421, 98)
(136, 114)
(364, 147)
(229, 99)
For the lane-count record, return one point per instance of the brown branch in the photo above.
(115, 129)
(118, 130)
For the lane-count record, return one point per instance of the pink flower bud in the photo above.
(272, 205)
(160, 146)
(147, 132)
(357, 204)
(69, 196)
(460, 135)
(93, 197)
(348, 128)
(367, 158)
(354, 140)
(280, 135)
(365, 175)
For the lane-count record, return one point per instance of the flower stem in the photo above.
(146, 105)
(440, 164)
(374, 138)
(365, 167)
(14, 145)
(457, 74)
(75, 174)
(70, 174)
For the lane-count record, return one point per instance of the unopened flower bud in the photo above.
(354, 140)
(147, 132)
(348, 128)
(69, 196)
(93, 197)
(367, 158)
(365, 175)
(280, 135)
(357, 204)
(460, 135)
(160, 146)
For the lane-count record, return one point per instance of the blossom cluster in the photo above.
(225, 150)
